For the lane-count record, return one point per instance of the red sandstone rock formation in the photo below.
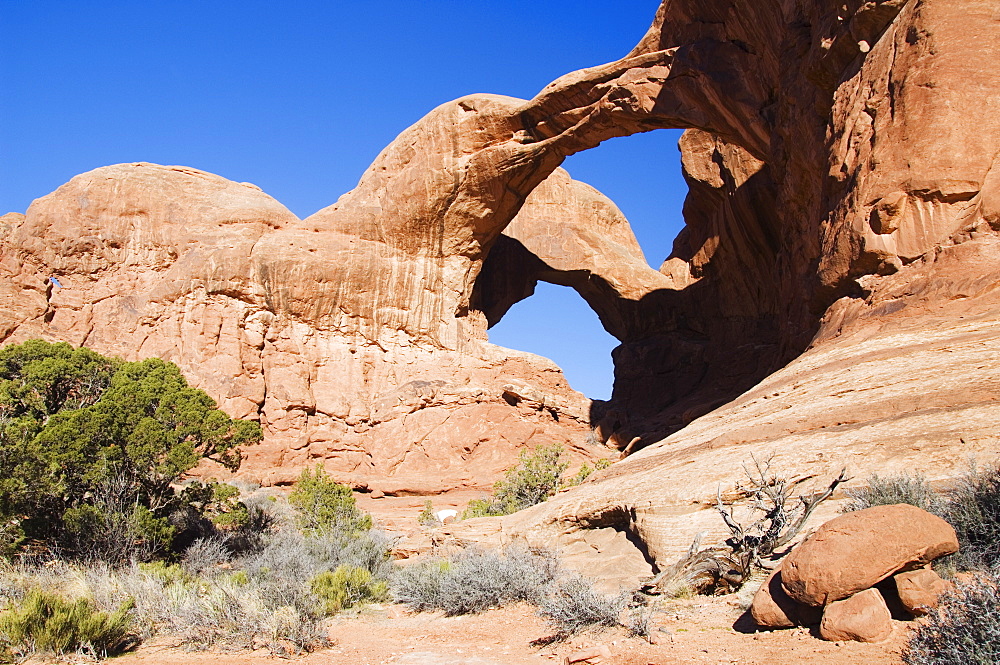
(332, 339)
(859, 549)
(920, 589)
(772, 607)
(862, 617)
(833, 297)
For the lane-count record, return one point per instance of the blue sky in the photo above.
(299, 97)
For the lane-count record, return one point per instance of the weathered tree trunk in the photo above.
(721, 569)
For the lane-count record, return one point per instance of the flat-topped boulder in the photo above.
(857, 550)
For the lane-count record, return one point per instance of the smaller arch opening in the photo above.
(558, 324)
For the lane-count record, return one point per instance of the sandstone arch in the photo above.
(857, 259)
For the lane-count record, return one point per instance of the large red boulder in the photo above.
(864, 617)
(857, 550)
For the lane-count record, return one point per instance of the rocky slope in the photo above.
(832, 298)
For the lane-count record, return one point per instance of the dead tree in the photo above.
(773, 520)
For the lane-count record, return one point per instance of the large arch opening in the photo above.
(695, 330)
(556, 323)
(641, 174)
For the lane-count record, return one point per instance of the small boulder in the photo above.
(919, 590)
(857, 550)
(446, 516)
(597, 654)
(773, 608)
(863, 617)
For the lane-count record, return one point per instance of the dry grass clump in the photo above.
(476, 580)
(973, 508)
(276, 598)
(572, 605)
(890, 490)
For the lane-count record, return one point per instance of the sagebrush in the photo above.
(890, 490)
(973, 508)
(573, 605)
(964, 629)
(273, 596)
(476, 580)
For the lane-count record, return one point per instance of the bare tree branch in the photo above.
(770, 524)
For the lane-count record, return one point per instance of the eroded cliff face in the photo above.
(332, 338)
(839, 257)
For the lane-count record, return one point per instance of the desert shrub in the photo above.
(283, 570)
(227, 511)
(574, 606)
(44, 621)
(244, 521)
(204, 555)
(418, 585)
(167, 573)
(346, 587)
(890, 490)
(293, 556)
(484, 508)
(275, 597)
(963, 630)
(324, 505)
(232, 611)
(586, 471)
(426, 516)
(535, 478)
(476, 580)
(93, 445)
(973, 508)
